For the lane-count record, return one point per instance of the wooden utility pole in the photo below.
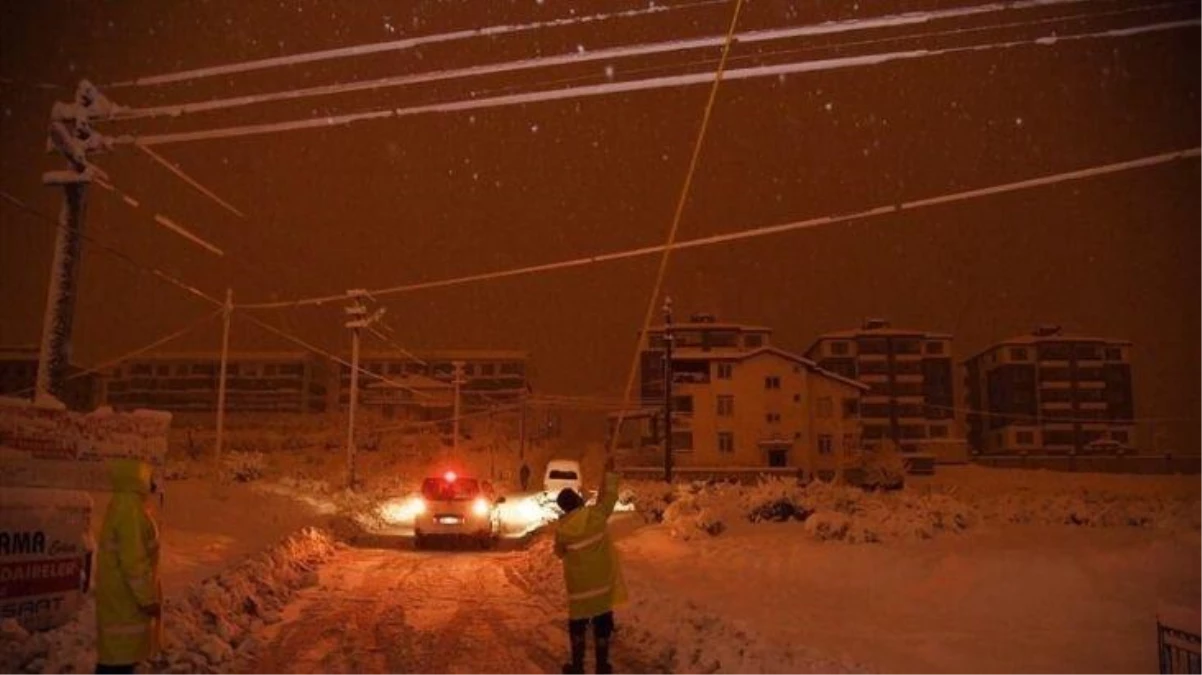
(357, 320)
(668, 338)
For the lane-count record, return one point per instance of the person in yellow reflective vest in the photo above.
(591, 570)
(129, 594)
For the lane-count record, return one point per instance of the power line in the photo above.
(331, 356)
(677, 216)
(107, 248)
(161, 219)
(769, 230)
(585, 91)
(393, 45)
(576, 58)
(188, 179)
(137, 352)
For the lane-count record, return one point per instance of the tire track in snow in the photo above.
(403, 611)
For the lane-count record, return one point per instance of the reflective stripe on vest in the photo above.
(585, 543)
(585, 595)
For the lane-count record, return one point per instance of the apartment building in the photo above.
(910, 378)
(740, 402)
(1050, 393)
(291, 381)
(19, 373)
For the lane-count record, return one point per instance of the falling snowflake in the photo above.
(1018, 121)
(471, 119)
(534, 128)
(579, 49)
(475, 175)
(829, 106)
(609, 72)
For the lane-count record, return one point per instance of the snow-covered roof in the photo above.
(290, 355)
(706, 325)
(447, 355)
(697, 354)
(1032, 339)
(881, 332)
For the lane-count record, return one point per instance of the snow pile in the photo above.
(205, 631)
(244, 467)
(1091, 508)
(842, 513)
(70, 648)
(675, 634)
(214, 623)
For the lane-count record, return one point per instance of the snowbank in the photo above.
(850, 514)
(206, 630)
(676, 634)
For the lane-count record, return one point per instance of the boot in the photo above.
(603, 664)
(577, 664)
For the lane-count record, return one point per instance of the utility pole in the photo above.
(71, 134)
(221, 376)
(458, 382)
(668, 338)
(357, 320)
(522, 431)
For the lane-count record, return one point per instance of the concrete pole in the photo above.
(221, 375)
(55, 352)
(668, 338)
(458, 381)
(354, 400)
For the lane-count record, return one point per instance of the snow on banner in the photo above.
(44, 554)
(51, 448)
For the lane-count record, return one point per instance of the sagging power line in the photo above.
(753, 233)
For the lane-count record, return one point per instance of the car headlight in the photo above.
(480, 507)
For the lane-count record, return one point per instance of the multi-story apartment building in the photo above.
(188, 382)
(19, 372)
(740, 402)
(909, 374)
(490, 377)
(1051, 393)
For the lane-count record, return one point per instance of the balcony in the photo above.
(874, 377)
(1057, 405)
(1055, 363)
(1091, 384)
(909, 378)
(872, 356)
(1093, 405)
(1054, 384)
(690, 378)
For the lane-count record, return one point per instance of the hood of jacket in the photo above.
(130, 476)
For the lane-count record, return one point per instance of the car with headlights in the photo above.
(560, 474)
(456, 507)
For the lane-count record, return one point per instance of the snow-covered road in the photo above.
(381, 610)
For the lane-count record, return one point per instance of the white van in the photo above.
(561, 473)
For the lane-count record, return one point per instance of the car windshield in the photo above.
(438, 489)
(562, 475)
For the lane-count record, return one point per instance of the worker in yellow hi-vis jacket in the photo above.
(129, 595)
(591, 570)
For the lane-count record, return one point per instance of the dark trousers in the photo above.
(102, 668)
(603, 628)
